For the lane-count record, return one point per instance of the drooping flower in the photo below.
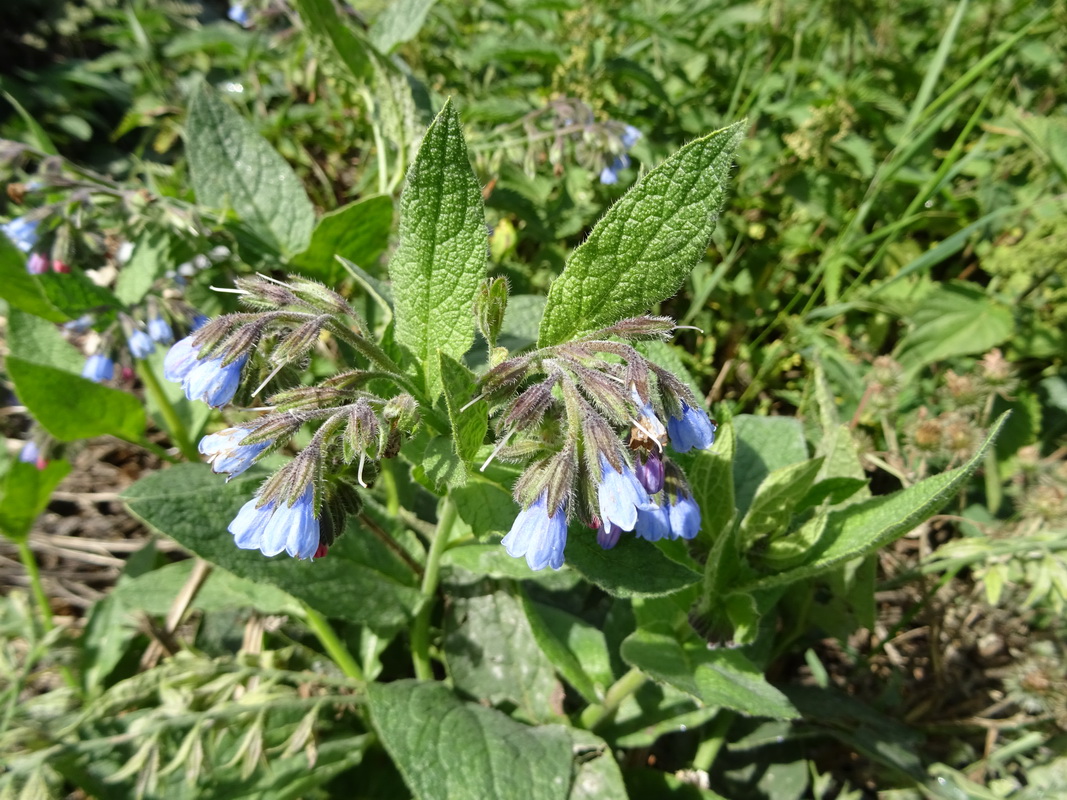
(37, 264)
(653, 524)
(629, 137)
(650, 472)
(160, 331)
(79, 325)
(140, 343)
(239, 14)
(276, 526)
(608, 176)
(22, 232)
(212, 381)
(683, 514)
(225, 452)
(31, 454)
(180, 359)
(98, 368)
(607, 535)
(648, 424)
(204, 379)
(692, 429)
(539, 535)
(620, 495)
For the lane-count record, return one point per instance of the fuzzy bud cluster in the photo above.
(585, 418)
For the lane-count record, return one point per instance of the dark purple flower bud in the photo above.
(650, 472)
(539, 535)
(607, 535)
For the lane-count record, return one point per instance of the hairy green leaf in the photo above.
(646, 245)
(447, 749)
(70, 407)
(232, 166)
(633, 568)
(441, 260)
(26, 491)
(358, 232)
(470, 424)
(22, 290)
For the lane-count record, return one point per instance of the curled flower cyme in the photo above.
(98, 368)
(538, 535)
(226, 454)
(276, 526)
(620, 495)
(692, 429)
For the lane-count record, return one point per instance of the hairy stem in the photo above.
(420, 630)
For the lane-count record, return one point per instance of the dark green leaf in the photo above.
(859, 529)
(719, 677)
(452, 750)
(764, 444)
(22, 290)
(331, 34)
(34, 339)
(399, 22)
(232, 166)
(25, 495)
(646, 245)
(74, 294)
(70, 407)
(469, 425)
(152, 256)
(441, 260)
(776, 499)
(492, 655)
(633, 568)
(577, 649)
(358, 232)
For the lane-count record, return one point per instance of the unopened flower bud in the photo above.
(638, 328)
(650, 472)
(489, 308)
(298, 342)
(529, 408)
(402, 411)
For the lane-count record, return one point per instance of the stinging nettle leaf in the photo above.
(442, 257)
(232, 166)
(644, 247)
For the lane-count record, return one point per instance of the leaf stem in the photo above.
(176, 427)
(710, 747)
(336, 649)
(596, 715)
(420, 630)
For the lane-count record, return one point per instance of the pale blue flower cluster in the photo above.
(205, 379)
(276, 526)
(98, 368)
(539, 534)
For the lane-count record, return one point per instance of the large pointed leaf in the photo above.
(442, 256)
(232, 166)
(862, 528)
(646, 245)
(452, 750)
